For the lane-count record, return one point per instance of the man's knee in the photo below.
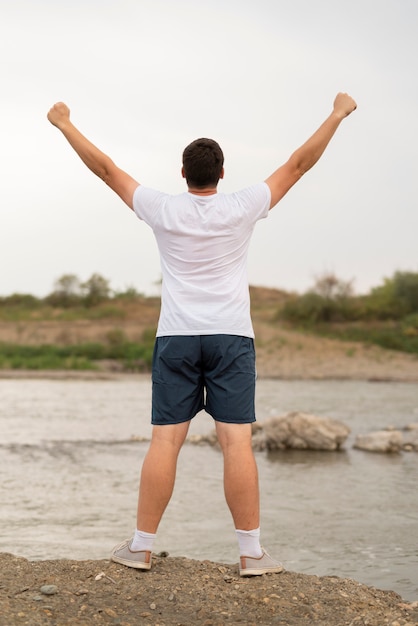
(170, 434)
(230, 434)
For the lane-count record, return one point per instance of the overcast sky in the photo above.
(143, 78)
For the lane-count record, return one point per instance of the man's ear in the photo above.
(221, 175)
(182, 172)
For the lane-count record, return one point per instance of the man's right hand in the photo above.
(59, 114)
(344, 105)
(308, 154)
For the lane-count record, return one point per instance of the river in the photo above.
(69, 466)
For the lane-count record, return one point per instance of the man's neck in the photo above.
(203, 192)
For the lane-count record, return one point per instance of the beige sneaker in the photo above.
(123, 554)
(250, 566)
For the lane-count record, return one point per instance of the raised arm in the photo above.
(98, 162)
(310, 152)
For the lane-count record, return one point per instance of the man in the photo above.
(204, 352)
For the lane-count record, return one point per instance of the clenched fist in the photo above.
(344, 105)
(59, 114)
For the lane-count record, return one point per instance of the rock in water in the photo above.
(380, 441)
(303, 431)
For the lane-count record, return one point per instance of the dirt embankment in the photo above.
(281, 352)
(184, 592)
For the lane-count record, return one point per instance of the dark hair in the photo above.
(203, 161)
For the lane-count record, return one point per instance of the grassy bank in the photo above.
(80, 327)
(387, 316)
(130, 356)
(77, 327)
(401, 336)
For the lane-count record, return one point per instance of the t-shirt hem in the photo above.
(194, 333)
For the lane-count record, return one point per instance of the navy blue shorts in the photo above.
(211, 372)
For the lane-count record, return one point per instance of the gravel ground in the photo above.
(184, 592)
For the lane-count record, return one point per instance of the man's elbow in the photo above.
(296, 168)
(107, 172)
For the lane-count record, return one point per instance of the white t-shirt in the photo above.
(203, 243)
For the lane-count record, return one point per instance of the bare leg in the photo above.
(158, 474)
(240, 474)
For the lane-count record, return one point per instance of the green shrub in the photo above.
(392, 336)
(311, 308)
(41, 358)
(409, 325)
(397, 297)
(405, 290)
(96, 290)
(20, 300)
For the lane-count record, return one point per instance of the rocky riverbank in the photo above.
(182, 592)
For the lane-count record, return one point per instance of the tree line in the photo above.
(387, 315)
(69, 291)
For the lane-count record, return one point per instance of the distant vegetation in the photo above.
(132, 356)
(70, 301)
(387, 316)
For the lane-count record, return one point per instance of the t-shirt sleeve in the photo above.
(147, 204)
(265, 200)
(256, 201)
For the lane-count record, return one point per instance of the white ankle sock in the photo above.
(142, 541)
(249, 543)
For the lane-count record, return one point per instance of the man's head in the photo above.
(203, 162)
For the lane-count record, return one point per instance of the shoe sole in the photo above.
(260, 572)
(134, 564)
